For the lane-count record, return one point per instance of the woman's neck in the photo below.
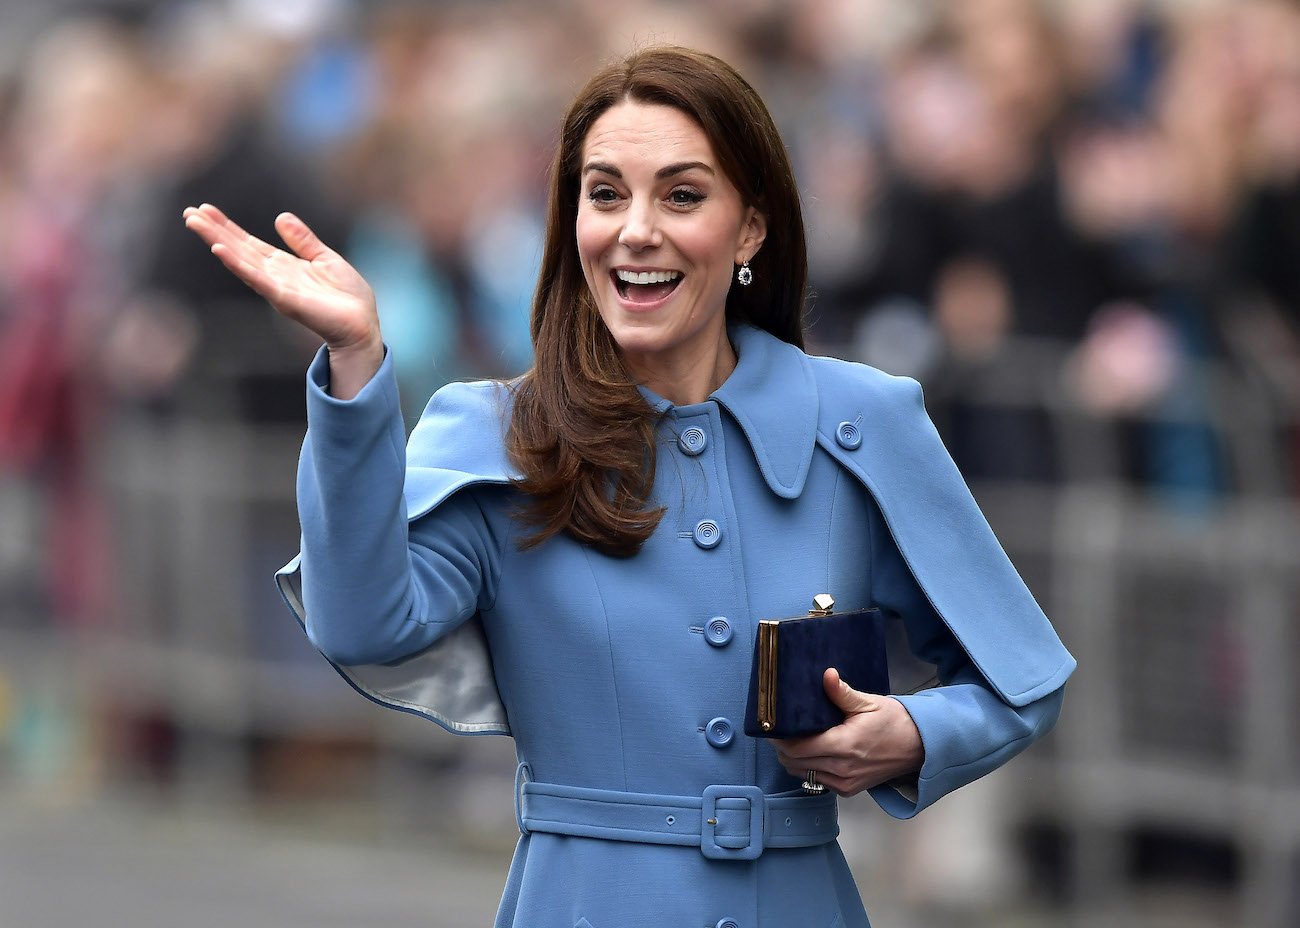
(685, 379)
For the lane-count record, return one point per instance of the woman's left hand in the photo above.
(876, 742)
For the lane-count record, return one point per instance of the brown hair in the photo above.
(581, 433)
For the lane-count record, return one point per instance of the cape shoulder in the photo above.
(458, 442)
(876, 426)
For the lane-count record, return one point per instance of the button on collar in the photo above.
(692, 441)
(849, 436)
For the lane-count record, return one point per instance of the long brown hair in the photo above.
(580, 433)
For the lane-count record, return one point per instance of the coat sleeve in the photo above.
(966, 728)
(938, 565)
(396, 561)
(376, 591)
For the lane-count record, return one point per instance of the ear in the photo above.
(752, 233)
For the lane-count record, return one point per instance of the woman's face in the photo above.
(660, 230)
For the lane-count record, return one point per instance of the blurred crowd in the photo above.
(1090, 205)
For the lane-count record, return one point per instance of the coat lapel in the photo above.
(772, 395)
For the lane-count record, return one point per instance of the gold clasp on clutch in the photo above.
(823, 604)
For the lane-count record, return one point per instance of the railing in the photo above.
(1182, 720)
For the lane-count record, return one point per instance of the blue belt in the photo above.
(725, 822)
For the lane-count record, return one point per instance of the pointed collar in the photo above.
(773, 397)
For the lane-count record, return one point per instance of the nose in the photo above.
(640, 230)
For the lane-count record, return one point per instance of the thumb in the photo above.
(299, 237)
(846, 697)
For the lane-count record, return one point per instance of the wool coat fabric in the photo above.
(627, 678)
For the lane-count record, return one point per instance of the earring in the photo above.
(744, 276)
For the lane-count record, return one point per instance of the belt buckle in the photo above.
(709, 846)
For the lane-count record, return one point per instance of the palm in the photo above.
(313, 285)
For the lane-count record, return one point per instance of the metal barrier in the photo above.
(1184, 614)
(1183, 716)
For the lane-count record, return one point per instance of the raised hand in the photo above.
(313, 285)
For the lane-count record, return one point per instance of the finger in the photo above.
(233, 232)
(834, 781)
(799, 768)
(262, 283)
(801, 764)
(848, 699)
(844, 782)
(794, 750)
(213, 234)
(300, 238)
(214, 227)
(202, 225)
(801, 749)
(808, 750)
(217, 217)
(841, 786)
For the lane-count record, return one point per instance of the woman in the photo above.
(586, 550)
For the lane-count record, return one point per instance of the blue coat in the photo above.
(627, 678)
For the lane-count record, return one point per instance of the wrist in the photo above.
(911, 746)
(352, 367)
(370, 343)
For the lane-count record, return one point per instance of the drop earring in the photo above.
(744, 276)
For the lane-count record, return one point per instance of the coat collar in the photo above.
(772, 395)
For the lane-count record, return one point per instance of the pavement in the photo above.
(108, 862)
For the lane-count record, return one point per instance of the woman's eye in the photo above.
(602, 194)
(685, 196)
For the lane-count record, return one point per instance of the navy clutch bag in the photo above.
(786, 695)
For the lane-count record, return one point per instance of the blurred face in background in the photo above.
(660, 231)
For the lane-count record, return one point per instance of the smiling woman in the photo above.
(523, 567)
(668, 161)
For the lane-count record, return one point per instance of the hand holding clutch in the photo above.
(786, 696)
(877, 743)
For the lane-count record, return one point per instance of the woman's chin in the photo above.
(641, 341)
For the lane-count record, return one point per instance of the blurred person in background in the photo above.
(73, 157)
(443, 179)
(1184, 171)
(1264, 318)
(584, 522)
(972, 240)
(216, 74)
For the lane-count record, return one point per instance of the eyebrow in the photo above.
(667, 171)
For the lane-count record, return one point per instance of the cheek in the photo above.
(714, 250)
(593, 238)
(718, 237)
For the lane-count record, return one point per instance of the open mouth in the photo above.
(645, 286)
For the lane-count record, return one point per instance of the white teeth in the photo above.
(647, 277)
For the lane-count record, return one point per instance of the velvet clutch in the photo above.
(786, 696)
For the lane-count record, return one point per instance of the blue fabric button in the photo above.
(718, 632)
(719, 732)
(848, 436)
(727, 923)
(708, 533)
(693, 441)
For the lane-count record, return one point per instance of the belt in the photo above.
(725, 822)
